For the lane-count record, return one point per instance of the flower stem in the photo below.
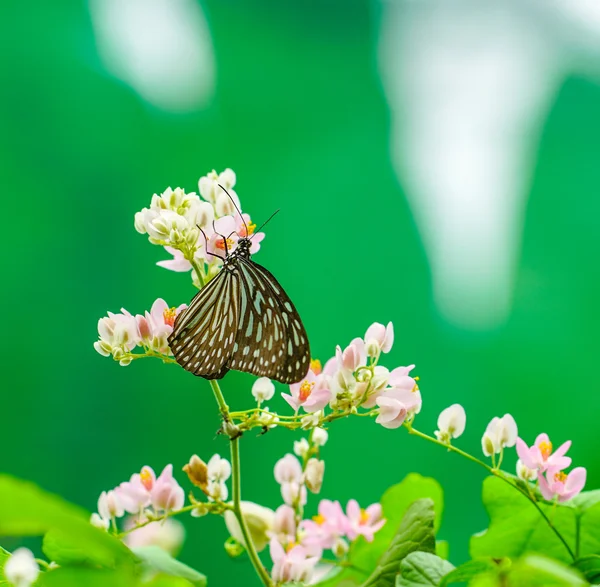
(496, 473)
(237, 489)
(198, 271)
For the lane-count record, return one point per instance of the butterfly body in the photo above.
(242, 320)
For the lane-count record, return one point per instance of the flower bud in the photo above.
(263, 389)
(99, 522)
(320, 436)
(451, 423)
(313, 475)
(200, 510)
(340, 548)
(525, 473)
(233, 548)
(197, 471)
(259, 520)
(109, 505)
(301, 447)
(20, 568)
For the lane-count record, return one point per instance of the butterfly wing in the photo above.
(203, 336)
(271, 340)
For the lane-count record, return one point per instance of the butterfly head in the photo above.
(243, 246)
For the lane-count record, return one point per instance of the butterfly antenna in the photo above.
(261, 226)
(236, 207)
(206, 244)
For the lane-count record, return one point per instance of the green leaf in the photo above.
(155, 558)
(589, 566)
(167, 581)
(27, 510)
(516, 526)
(4, 554)
(540, 571)
(363, 555)
(585, 500)
(416, 533)
(442, 549)
(422, 569)
(471, 569)
(86, 577)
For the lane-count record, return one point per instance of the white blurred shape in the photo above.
(161, 48)
(469, 84)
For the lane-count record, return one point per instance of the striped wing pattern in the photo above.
(204, 335)
(271, 341)
(242, 320)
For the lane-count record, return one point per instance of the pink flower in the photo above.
(155, 326)
(325, 528)
(232, 229)
(540, 456)
(118, 334)
(310, 393)
(178, 263)
(168, 534)
(353, 356)
(379, 339)
(166, 494)
(396, 404)
(363, 522)
(135, 493)
(293, 565)
(564, 486)
(255, 237)
(109, 505)
(288, 473)
(284, 525)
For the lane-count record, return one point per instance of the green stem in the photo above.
(237, 489)
(498, 474)
(198, 271)
(237, 509)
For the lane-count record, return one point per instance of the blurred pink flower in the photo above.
(310, 393)
(109, 505)
(293, 565)
(540, 456)
(284, 524)
(325, 528)
(363, 522)
(167, 534)
(178, 263)
(135, 493)
(166, 494)
(564, 486)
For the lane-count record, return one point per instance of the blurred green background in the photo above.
(295, 103)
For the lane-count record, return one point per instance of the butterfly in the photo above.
(241, 320)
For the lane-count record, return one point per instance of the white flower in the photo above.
(526, 473)
(219, 469)
(267, 418)
(320, 436)
(500, 433)
(288, 469)
(118, 335)
(21, 569)
(313, 475)
(263, 389)
(451, 423)
(260, 522)
(301, 447)
(109, 505)
(209, 185)
(294, 493)
(217, 491)
(99, 522)
(311, 420)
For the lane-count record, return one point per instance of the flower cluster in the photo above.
(198, 231)
(540, 462)
(120, 333)
(353, 379)
(145, 495)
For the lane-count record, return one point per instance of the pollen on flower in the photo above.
(251, 229)
(319, 519)
(364, 517)
(561, 477)
(169, 316)
(220, 244)
(545, 449)
(306, 390)
(315, 366)
(146, 478)
(290, 546)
